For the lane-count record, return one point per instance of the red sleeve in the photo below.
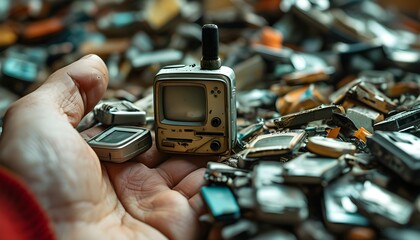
(21, 216)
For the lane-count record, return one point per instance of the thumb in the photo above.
(65, 97)
(76, 88)
(39, 141)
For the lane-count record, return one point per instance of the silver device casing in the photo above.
(140, 141)
(192, 138)
(118, 117)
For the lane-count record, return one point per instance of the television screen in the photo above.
(184, 103)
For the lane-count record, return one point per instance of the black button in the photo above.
(215, 122)
(215, 145)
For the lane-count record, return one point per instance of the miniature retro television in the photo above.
(195, 110)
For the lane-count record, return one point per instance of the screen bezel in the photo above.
(186, 83)
(96, 141)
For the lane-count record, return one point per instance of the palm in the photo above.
(152, 192)
(161, 196)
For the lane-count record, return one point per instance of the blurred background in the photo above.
(260, 39)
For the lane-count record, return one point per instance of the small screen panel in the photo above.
(117, 136)
(184, 103)
(274, 141)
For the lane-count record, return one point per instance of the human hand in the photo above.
(153, 196)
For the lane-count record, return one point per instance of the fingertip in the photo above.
(90, 74)
(95, 61)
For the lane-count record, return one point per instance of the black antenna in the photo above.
(210, 39)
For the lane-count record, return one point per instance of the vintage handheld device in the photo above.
(382, 207)
(372, 97)
(195, 106)
(400, 121)
(221, 202)
(281, 204)
(340, 213)
(309, 168)
(267, 173)
(276, 202)
(119, 112)
(121, 143)
(222, 173)
(322, 112)
(399, 152)
(275, 144)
